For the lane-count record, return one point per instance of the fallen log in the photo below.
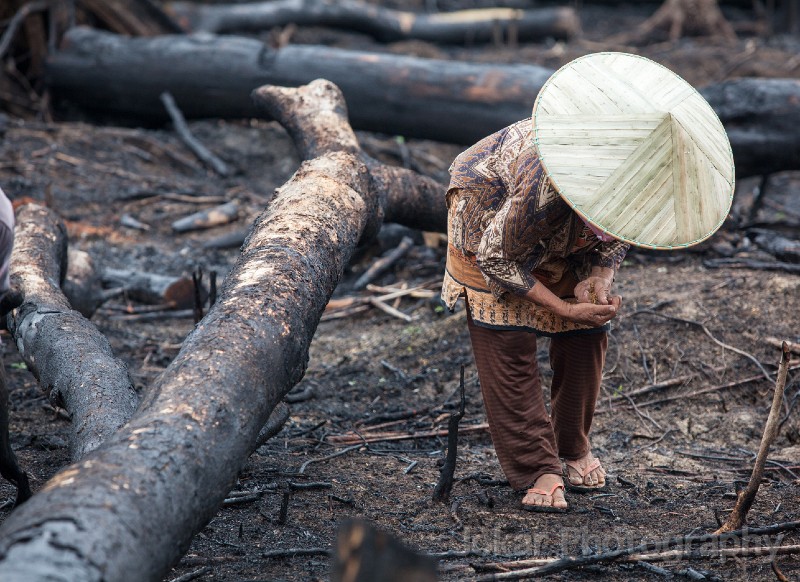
(173, 292)
(446, 101)
(71, 360)
(213, 76)
(128, 510)
(384, 24)
(759, 116)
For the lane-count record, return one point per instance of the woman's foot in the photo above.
(585, 474)
(546, 495)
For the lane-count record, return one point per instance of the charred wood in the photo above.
(202, 152)
(446, 101)
(222, 214)
(757, 115)
(399, 190)
(82, 286)
(782, 248)
(175, 292)
(69, 357)
(187, 441)
(386, 25)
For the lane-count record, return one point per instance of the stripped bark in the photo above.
(71, 360)
(384, 24)
(128, 510)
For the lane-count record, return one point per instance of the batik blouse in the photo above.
(509, 230)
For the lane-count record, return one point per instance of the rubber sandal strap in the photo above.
(595, 464)
(537, 491)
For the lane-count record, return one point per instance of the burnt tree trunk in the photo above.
(761, 117)
(384, 24)
(441, 100)
(71, 360)
(128, 510)
(213, 77)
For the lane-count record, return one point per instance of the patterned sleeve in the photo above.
(608, 254)
(510, 248)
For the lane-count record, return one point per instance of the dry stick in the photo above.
(746, 497)
(182, 129)
(342, 313)
(792, 367)
(384, 263)
(291, 552)
(327, 457)
(659, 386)
(389, 309)
(364, 438)
(192, 575)
(172, 314)
(778, 574)
(678, 554)
(17, 20)
(715, 340)
(197, 282)
(659, 546)
(793, 347)
(445, 484)
(643, 415)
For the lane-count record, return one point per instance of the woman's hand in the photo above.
(591, 314)
(595, 290)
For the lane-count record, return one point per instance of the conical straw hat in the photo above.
(635, 150)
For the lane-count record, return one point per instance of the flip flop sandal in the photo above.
(583, 488)
(544, 508)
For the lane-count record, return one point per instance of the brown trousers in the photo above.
(528, 441)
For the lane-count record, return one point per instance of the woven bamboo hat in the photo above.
(635, 150)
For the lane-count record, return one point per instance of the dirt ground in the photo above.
(676, 456)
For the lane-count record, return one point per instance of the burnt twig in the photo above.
(17, 20)
(384, 263)
(444, 486)
(274, 424)
(182, 129)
